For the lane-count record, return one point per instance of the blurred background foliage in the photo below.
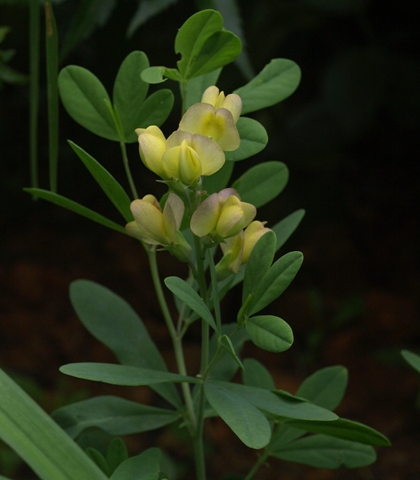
(350, 136)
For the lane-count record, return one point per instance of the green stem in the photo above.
(215, 291)
(259, 463)
(34, 42)
(200, 464)
(117, 122)
(183, 88)
(51, 43)
(176, 339)
(204, 295)
(127, 170)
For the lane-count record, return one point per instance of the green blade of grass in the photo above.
(34, 43)
(51, 43)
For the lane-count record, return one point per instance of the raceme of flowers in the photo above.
(206, 130)
(196, 149)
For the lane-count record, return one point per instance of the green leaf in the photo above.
(253, 136)
(83, 96)
(245, 420)
(191, 298)
(130, 91)
(261, 183)
(106, 181)
(113, 322)
(277, 81)
(226, 365)
(219, 180)
(154, 75)
(154, 110)
(276, 280)
(280, 404)
(287, 226)
(145, 466)
(325, 387)
(38, 440)
(203, 45)
(255, 374)
(219, 49)
(116, 453)
(115, 374)
(412, 359)
(113, 415)
(346, 429)
(99, 459)
(227, 344)
(259, 263)
(270, 333)
(74, 207)
(322, 451)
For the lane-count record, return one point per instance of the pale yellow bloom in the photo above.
(154, 226)
(183, 156)
(222, 215)
(152, 146)
(215, 117)
(189, 156)
(253, 232)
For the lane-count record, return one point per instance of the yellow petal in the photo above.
(173, 212)
(233, 103)
(231, 218)
(253, 233)
(211, 95)
(210, 154)
(204, 219)
(149, 220)
(152, 146)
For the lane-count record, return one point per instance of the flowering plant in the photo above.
(201, 211)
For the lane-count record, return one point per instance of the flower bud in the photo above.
(252, 234)
(188, 157)
(222, 215)
(154, 226)
(232, 256)
(152, 146)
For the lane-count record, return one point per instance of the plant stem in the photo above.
(215, 291)
(260, 462)
(176, 339)
(51, 43)
(127, 170)
(198, 439)
(34, 37)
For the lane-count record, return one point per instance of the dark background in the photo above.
(350, 137)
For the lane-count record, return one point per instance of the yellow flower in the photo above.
(152, 146)
(222, 215)
(232, 256)
(237, 249)
(232, 102)
(215, 117)
(253, 232)
(183, 156)
(188, 157)
(154, 226)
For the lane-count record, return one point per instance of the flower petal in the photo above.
(204, 219)
(152, 146)
(149, 221)
(210, 154)
(173, 212)
(233, 103)
(231, 218)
